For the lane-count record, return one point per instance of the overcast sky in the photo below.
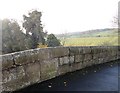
(61, 16)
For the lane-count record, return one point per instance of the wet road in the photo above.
(102, 77)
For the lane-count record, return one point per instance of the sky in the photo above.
(63, 16)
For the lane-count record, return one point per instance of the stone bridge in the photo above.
(21, 69)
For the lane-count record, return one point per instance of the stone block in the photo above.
(113, 53)
(105, 48)
(75, 50)
(91, 62)
(13, 74)
(9, 75)
(100, 60)
(87, 57)
(118, 54)
(101, 55)
(87, 50)
(84, 64)
(97, 49)
(7, 61)
(32, 55)
(63, 69)
(14, 79)
(71, 59)
(20, 72)
(79, 58)
(49, 69)
(94, 50)
(64, 60)
(59, 52)
(32, 72)
(25, 57)
(45, 54)
(15, 85)
(96, 56)
(20, 57)
(75, 66)
(112, 58)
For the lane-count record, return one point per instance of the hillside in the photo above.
(91, 33)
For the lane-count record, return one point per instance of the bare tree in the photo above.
(64, 37)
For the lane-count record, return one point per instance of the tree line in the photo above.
(16, 39)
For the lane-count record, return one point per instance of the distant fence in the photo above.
(21, 69)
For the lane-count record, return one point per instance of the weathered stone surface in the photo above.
(84, 64)
(49, 69)
(25, 57)
(118, 56)
(94, 61)
(75, 66)
(87, 50)
(0, 63)
(88, 57)
(79, 58)
(9, 75)
(101, 55)
(24, 68)
(59, 52)
(44, 54)
(14, 79)
(87, 60)
(20, 58)
(113, 53)
(118, 52)
(12, 74)
(91, 62)
(15, 84)
(64, 60)
(63, 69)
(71, 59)
(0, 74)
(112, 58)
(32, 72)
(1, 88)
(107, 57)
(7, 61)
(75, 50)
(5, 76)
(32, 55)
(105, 48)
(20, 72)
(100, 60)
(96, 56)
(97, 49)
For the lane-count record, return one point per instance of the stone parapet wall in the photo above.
(21, 69)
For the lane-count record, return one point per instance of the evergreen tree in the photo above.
(32, 24)
(52, 41)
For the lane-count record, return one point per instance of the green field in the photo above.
(91, 41)
(98, 37)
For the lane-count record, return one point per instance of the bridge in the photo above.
(102, 78)
(26, 68)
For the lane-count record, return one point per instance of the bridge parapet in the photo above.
(21, 69)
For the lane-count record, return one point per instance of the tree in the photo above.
(52, 41)
(64, 37)
(13, 39)
(32, 24)
(116, 21)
